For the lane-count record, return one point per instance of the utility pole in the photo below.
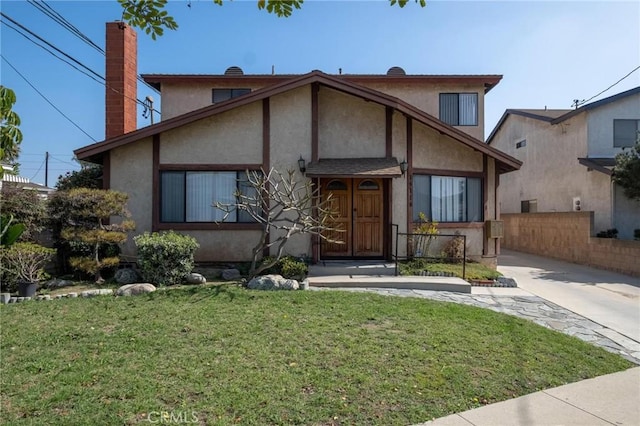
(46, 169)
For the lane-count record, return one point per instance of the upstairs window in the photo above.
(219, 95)
(459, 109)
(625, 133)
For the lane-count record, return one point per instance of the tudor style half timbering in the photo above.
(352, 131)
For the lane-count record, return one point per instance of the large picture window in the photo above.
(191, 196)
(459, 109)
(447, 198)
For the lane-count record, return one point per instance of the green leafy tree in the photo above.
(626, 172)
(150, 16)
(90, 176)
(10, 134)
(87, 217)
(25, 207)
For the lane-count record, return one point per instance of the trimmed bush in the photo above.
(165, 258)
(24, 262)
(289, 267)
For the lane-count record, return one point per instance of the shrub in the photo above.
(423, 235)
(289, 267)
(24, 262)
(609, 233)
(165, 258)
(453, 250)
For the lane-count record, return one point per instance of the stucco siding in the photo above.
(349, 127)
(626, 214)
(232, 137)
(432, 150)
(132, 173)
(600, 124)
(290, 139)
(224, 246)
(180, 98)
(427, 97)
(550, 172)
(398, 186)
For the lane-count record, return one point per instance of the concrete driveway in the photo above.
(610, 299)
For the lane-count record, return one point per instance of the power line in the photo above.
(45, 98)
(50, 12)
(582, 102)
(58, 18)
(100, 79)
(36, 173)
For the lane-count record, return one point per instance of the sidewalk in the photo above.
(613, 399)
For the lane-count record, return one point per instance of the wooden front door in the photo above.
(358, 204)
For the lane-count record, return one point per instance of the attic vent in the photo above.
(234, 71)
(396, 71)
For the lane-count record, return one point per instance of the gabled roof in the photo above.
(489, 81)
(556, 116)
(505, 163)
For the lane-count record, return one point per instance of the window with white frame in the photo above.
(447, 198)
(625, 133)
(190, 196)
(459, 109)
(219, 95)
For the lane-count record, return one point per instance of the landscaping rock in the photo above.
(195, 278)
(58, 283)
(13, 300)
(135, 289)
(4, 298)
(272, 282)
(507, 282)
(230, 274)
(304, 284)
(126, 276)
(72, 295)
(97, 292)
(43, 297)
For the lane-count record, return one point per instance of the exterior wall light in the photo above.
(302, 165)
(404, 166)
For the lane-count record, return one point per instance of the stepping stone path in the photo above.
(532, 308)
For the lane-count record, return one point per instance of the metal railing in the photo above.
(427, 246)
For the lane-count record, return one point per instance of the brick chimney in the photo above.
(121, 73)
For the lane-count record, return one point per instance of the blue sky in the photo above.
(549, 53)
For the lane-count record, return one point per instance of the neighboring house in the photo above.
(374, 141)
(16, 181)
(568, 156)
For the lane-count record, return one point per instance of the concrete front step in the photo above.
(331, 268)
(405, 282)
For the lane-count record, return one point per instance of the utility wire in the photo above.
(50, 12)
(58, 18)
(101, 79)
(582, 102)
(45, 98)
(40, 168)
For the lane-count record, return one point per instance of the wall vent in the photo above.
(234, 71)
(396, 71)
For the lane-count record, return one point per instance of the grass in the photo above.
(226, 355)
(474, 270)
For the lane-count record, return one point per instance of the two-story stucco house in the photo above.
(567, 159)
(388, 146)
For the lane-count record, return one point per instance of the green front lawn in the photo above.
(226, 355)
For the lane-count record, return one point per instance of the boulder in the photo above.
(272, 282)
(126, 276)
(97, 292)
(135, 289)
(231, 274)
(195, 278)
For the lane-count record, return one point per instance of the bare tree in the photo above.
(285, 207)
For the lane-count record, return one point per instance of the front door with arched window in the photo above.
(358, 204)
